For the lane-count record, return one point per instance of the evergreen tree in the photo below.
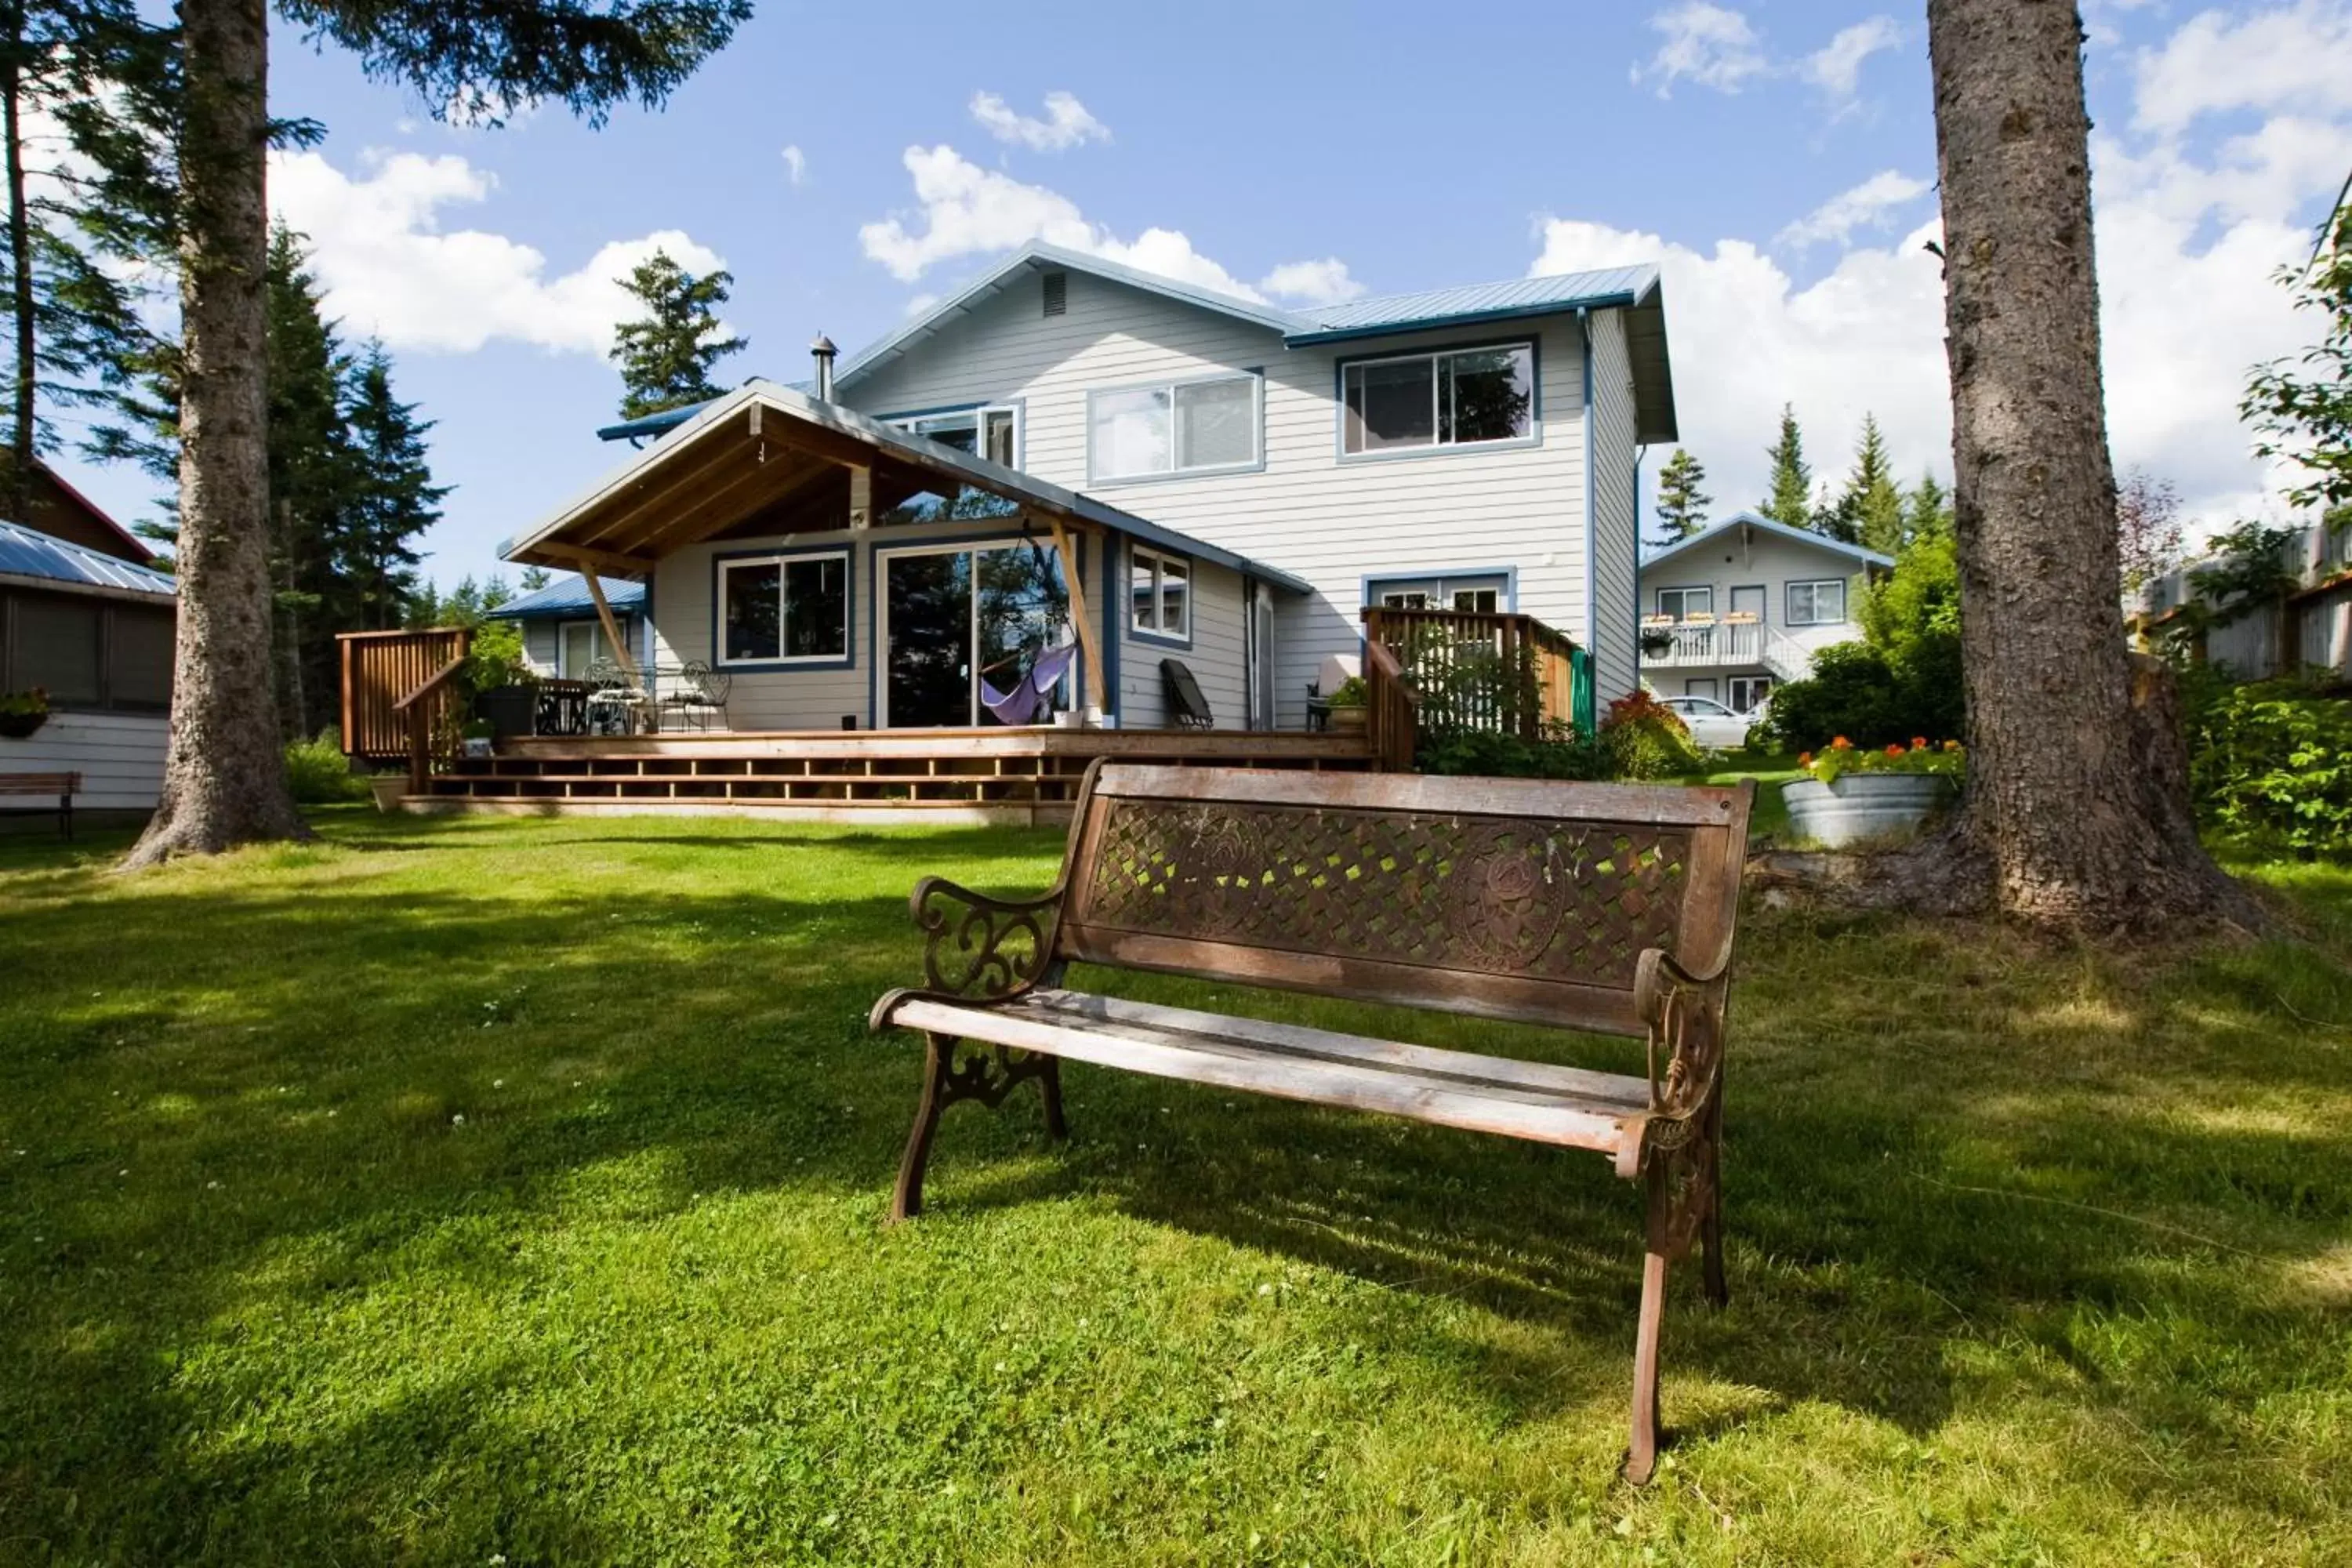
(75, 334)
(1790, 499)
(667, 355)
(224, 773)
(394, 498)
(1928, 510)
(1681, 505)
(534, 578)
(1869, 511)
(313, 474)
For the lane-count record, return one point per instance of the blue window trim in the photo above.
(1532, 343)
(1256, 466)
(848, 551)
(1509, 574)
(875, 549)
(1192, 598)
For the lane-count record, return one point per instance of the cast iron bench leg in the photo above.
(984, 1079)
(1641, 1452)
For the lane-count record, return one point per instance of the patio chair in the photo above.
(1032, 696)
(699, 698)
(616, 703)
(1187, 708)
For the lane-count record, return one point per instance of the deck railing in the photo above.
(381, 669)
(1504, 673)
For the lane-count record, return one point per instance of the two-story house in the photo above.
(1073, 450)
(1745, 603)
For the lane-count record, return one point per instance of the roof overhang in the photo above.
(19, 580)
(1753, 524)
(765, 460)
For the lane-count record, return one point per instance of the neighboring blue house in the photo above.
(561, 635)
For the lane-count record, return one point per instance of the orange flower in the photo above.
(1951, 745)
(1894, 751)
(1804, 759)
(1919, 743)
(1841, 744)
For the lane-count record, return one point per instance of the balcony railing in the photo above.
(1504, 673)
(1701, 642)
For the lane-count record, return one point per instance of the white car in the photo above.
(1712, 725)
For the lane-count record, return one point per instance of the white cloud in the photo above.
(390, 269)
(967, 210)
(795, 164)
(2292, 59)
(1067, 123)
(2189, 241)
(1707, 44)
(1869, 205)
(1836, 67)
(1324, 282)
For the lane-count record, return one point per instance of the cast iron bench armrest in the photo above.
(966, 955)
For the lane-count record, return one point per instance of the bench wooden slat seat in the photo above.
(1533, 1101)
(60, 786)
(1604, 909)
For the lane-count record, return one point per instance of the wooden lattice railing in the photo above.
(1503, 673)
(382, 671)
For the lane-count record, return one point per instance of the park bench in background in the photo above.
(61, 787)
(1603, 907)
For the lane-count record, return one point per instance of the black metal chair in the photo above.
(1187, 708)
(694, 694)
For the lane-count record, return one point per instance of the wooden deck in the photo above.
(1018, 775)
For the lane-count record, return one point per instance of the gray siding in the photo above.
(1216, 657)
(1328, 521)
(1609, 629)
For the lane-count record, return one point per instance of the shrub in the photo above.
(1559, 754)
(1351, 693)
(496, 657)
(1643, 739)
(2271, 762)
(1902, 679)
(319, 771)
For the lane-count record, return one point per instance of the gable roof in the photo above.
(829, 429)
(568, 596)
(1781, 529)
(28, 555)
(1634, 289)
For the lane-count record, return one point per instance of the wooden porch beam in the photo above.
(627, 660)
(1071, 580)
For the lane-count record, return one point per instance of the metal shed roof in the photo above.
(28, 554)
(569, 597)
(1778, 529)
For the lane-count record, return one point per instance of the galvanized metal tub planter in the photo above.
(1855, 810)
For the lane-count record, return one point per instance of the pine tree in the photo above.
(75, 333)
(1681, 505)
(224, 773)
(534, 578)
(1928, 510)
(1869, 511)
(394, 498)
(1790, 499)
(665, 356)
(313, 473)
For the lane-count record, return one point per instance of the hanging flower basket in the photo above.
(23, 712)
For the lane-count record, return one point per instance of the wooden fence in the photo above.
(382, 671)
(1502, 673)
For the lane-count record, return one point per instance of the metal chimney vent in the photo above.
(1057, 294)
(822, 350)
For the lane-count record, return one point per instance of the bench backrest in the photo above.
(40, 784)
(1508, 897)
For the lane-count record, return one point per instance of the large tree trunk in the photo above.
(224, 775)
(16, 495)
(2078, 814)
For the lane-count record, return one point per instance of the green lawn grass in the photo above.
(473, 1191)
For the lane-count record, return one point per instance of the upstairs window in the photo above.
(1682, 603)
(1183, 427)
(1461, 398)
(1821, 603)
(784, 609)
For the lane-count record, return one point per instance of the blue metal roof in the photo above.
(29, 553)
(1781, 529)
(568, 597)
(1515, 297)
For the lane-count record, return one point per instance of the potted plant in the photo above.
(1858, 796)
(22, 712)
(1657, 641)
(479, 735)
(1348, 703)
(388, 788)
(504, 687)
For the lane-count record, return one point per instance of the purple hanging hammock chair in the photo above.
(1023, 704)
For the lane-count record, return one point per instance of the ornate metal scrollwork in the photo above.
(985, 1073)
(981, 947)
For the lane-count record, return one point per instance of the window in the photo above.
(1682, 604)
(784, 609)
(1193, 427)
(1463, 398)
(993, 432)
(1821, 603)
(1160, 599)
(1471, 594)
(87, 653)
(581, 643)
(1475, 601)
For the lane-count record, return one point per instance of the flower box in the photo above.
(1860, 809)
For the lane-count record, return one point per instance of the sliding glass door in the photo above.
(956, 616)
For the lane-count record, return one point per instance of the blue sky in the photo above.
(1776, 159)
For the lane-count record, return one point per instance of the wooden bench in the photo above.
(1603, 907)
(64, 786)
